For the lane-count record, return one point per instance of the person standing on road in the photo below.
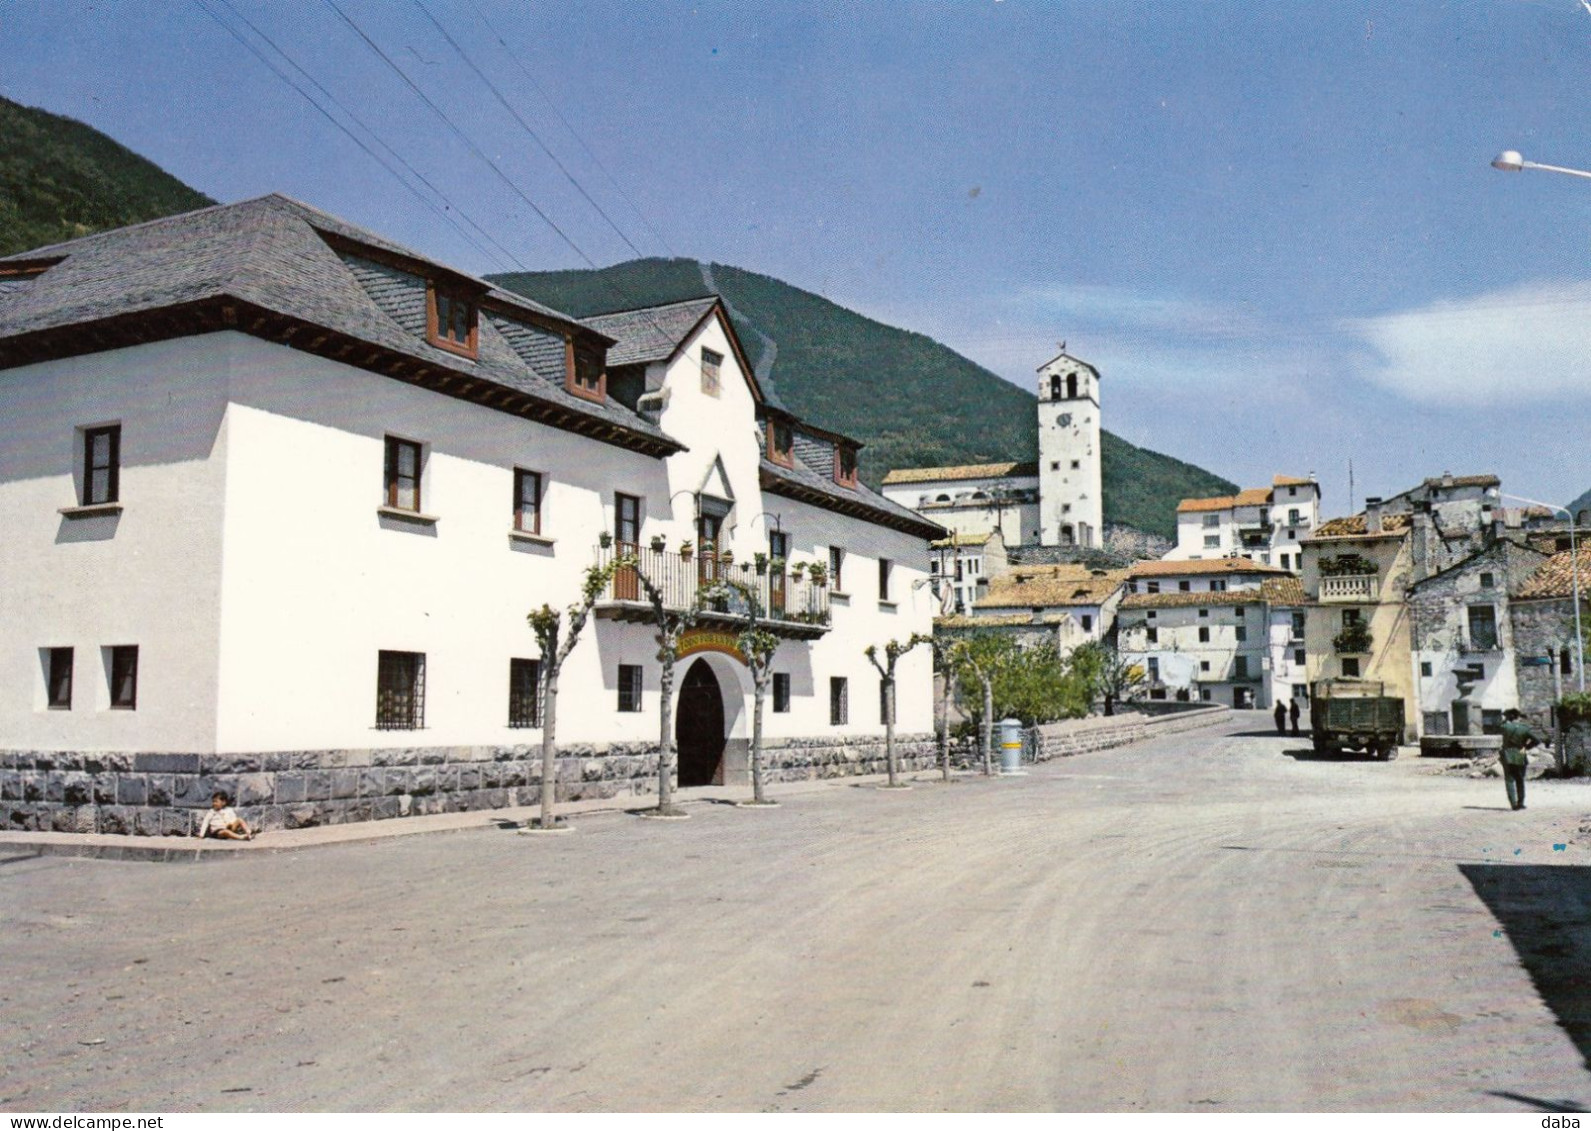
(1280, 715)
(1292, 713)
(1517, 739)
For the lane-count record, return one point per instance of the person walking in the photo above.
(1517, 738)
(1292, 713)
(1280, 714)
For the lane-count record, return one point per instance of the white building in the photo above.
(278, 495)
(973, 500)
(1201, 630)
(1264, 524)
(1056, 501)
(1078, 602)
(961, 566)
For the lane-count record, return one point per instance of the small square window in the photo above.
(712, 362)
(1088, 623)
(1218, 586)
(1487, 581)
(1077, 465)
(102, 457)
(781, 443)
(452, 319)
(524, 693)
(1425, 667)
(1055, 465)
(1212, 520)
(1152, 587)
(1184, 586)
(1204, 634)
(1203, 613)
(1350, 667)
(1239, 612)
(1212, 541)
(1242, 632)
(629, 687)
(1204, 665)
(1204, 694)
(839, 707)
(400, 691)
(781, 693)
(1154, 635)
(527, 501)
(58, 678)
(1150, 614)
(124, 677)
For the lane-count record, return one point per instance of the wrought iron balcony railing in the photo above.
(790, 606)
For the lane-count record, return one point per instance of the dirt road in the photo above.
(1206, 922)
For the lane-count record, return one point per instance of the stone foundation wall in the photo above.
(168, 794)
(1079, 736)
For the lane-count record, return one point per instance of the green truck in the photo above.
(1355, 714)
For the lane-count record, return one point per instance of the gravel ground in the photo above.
(1214, 921)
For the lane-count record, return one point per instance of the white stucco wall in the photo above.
(149, 576)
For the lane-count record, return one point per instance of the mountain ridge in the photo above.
(919, 392)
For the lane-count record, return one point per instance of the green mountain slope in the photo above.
(60, 179)
(912, 401)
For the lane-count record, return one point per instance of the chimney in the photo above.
(1373, 514)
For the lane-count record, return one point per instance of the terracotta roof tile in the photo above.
(1050, 587)
(1291, 481)
(1253, 497)
(1207, 565)
(1354, 526)
(959, 539)
(965, 471)
(1282, 590)
(1215, 503)
(1555, 577)
(1191, 600)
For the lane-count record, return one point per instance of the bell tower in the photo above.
(1071, 499)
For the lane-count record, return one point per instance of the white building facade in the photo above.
(279, 532)
(1263, 524)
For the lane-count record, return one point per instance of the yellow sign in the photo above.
(710, 640)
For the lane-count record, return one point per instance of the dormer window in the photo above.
(845, 466)
(586, 376)
(452, 320)
(781, 443)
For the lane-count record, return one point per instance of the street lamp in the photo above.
(1510, 161)
(1574, 572)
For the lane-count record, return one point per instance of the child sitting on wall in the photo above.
(222, 821)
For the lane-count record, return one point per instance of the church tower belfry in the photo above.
(1071, 497)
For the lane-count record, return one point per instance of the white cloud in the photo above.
(1527, 343)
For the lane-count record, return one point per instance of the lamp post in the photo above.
(1509, 161)
(1574, 572)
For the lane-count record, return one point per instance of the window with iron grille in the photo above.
(60, 679)
(527, 501)
(629, 687)
(524, 693)
(403, 474)
(781, 692)
(124, 677)
(400, 691)
(839, 707)
(102, 457)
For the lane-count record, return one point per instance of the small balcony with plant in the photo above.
(1354, 638)
(1349, 578)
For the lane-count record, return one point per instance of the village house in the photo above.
(1200, 629)
(961, 566)
(1358, 571)
(1076, 603)
(279, 494)
(1541, 612)
(1287, 665)
(973, 500)
(1261, 523)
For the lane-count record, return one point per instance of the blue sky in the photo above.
(1273, 228)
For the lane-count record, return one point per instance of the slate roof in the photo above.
(1181, 600)
(1355, 526)
(1050, 587)
(801, 482)
(651, 333)
(271, 262)
(965, 471)
(1555, 577)
(1202, 566)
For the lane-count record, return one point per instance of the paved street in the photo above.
(1199, 923)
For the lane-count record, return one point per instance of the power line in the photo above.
(530, 77)
(524, 125)
(372, 154)
(507, 255)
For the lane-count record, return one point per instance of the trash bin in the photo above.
(1011, 748)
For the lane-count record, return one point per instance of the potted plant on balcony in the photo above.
(686, 549)
(727, 557)
(760, 562)
(605, 540)
(798, 571)
(776, 566)
(1354, 637)
(820, 574)
(658, 543)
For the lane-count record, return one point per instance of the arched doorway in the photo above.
(699, 726)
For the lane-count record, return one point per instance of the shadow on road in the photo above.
(1271, 733)
(1310, 754)
(1546, 911)
(1538, 1103)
